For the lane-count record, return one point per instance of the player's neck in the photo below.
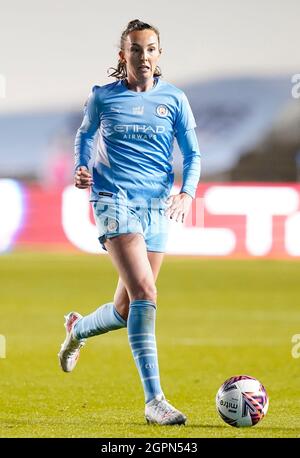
(140, 86)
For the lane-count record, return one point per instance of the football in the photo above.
(242, 401)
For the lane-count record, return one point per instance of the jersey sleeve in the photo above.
(187, 141)
(84, 140)
(185, 119)
(189, 148)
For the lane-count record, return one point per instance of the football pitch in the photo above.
(216, 318)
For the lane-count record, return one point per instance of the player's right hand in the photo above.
(83, 179)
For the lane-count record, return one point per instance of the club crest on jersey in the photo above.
(162, 111)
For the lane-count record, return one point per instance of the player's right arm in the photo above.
(82, 178)
(84, 141)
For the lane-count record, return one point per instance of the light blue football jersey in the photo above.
(135, 142)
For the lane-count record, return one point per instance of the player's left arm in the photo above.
(179, 205)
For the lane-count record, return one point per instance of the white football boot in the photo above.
(70, 348)
(159, 411)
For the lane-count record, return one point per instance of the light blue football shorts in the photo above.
(113, 218)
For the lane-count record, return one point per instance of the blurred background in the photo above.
(237, 61)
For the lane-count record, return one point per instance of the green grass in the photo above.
(216, 318)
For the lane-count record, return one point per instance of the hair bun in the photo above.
(134, 22)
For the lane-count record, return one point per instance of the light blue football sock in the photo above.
(141, 335)
(104, 319)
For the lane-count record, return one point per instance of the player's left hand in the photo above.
(178, 206)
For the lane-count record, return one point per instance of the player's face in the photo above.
(141, 53)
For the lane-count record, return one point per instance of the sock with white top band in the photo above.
(141, 335)
(104, 319)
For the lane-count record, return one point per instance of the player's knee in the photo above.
(145, 291)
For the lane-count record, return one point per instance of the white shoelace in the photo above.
(164, 407)
(75, 345)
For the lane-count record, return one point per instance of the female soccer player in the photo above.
(136, 119)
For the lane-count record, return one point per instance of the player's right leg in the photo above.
(113, 221)
(70, 348)
(106, 318)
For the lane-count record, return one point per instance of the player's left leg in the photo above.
(121, 298)
(129, 256)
